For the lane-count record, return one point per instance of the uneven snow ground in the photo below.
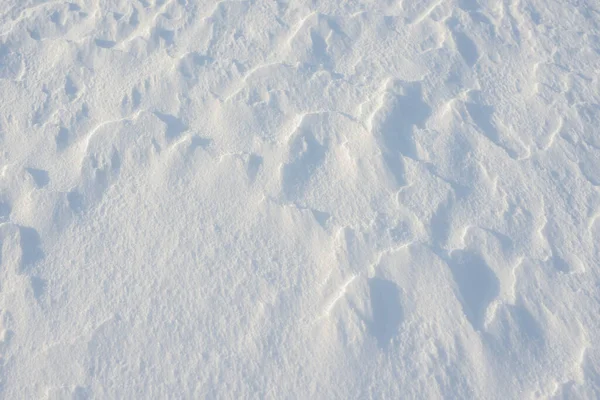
(300, 199)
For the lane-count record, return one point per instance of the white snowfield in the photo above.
(300, 199)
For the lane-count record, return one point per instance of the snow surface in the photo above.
(304, 199)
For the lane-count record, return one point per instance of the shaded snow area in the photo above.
(300, 199)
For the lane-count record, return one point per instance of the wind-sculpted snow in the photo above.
(299, 199)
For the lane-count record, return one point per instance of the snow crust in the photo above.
(304, 199)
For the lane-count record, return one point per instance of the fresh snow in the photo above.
(300, 199)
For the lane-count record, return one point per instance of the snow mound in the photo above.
(293, 199)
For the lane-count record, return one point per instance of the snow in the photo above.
(299, 199)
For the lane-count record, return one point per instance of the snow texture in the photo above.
(303, 199)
